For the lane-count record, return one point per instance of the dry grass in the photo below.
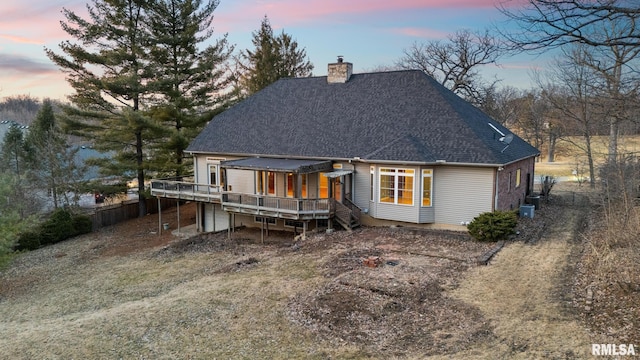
(570, 156)
(610, 268)
(99, 296)
(521, 293)
(133, 294)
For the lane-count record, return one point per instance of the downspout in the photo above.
(495, 190)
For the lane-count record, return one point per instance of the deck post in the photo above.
(178, 211)
(159, 216)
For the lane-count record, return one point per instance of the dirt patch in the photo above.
(399, 306)
(143, 233)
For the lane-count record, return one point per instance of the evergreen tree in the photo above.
(12, 217)
(107, 67)
(188, 81)
(14, 152)
(51, 160)
(14, 157)
(273, 58)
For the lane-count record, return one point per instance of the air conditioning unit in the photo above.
(527, 211)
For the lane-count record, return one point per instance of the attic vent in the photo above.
(339, 72)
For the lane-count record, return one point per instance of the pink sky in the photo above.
(369, 33)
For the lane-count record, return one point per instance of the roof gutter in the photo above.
(366, 161)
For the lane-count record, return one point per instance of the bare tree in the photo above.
(570, 90)
(608, 27)
(552, 23)
(455, 62)
(501, 104)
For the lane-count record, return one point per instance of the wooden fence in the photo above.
(126, 210)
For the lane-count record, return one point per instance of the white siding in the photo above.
(241, 181)
(215, 219)
(461, 193)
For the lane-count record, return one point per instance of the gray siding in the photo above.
(362, 186)
(404, 213)
(461, 193)
(427, 215)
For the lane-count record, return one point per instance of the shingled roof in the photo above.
(398, 116)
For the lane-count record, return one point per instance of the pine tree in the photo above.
(14, 152)
(273, 58)
(188, 81)
(51, 161)
(106, 65)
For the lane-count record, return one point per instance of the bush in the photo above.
(29, 240)
(493, 226)
(58, 227)
(81, 225)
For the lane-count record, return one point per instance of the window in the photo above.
(293, 223)
(268, 220)
(266, 182)
(517, 177)
(372, 171)
(427, 183)
(303, 191)
(290, 184)
(396, 186)
(213, 174)
(323, 186)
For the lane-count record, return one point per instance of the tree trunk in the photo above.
(552, 147)
(592, 171)
(613, 141)
(142, 204)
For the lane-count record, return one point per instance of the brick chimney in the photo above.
(339, 72)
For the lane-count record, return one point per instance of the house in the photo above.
(374, 148)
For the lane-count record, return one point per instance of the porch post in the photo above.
(159, 216)
(198, 217)
(178, 211)
(298, 193)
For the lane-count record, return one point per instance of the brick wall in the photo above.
(510, 196)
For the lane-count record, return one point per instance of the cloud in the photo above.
(420, 32)
(11, 63)
(290, 12)
(20, 39)
(34, 22)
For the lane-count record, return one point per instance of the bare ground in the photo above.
(126, 292)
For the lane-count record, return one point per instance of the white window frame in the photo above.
(426, 173)
(395, 172)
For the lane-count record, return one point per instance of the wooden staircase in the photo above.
(347, 214)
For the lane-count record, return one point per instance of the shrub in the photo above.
(29, 240)
(58, 227)
(81, 225)
(493, 226)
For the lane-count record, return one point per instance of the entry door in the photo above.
(336, 188)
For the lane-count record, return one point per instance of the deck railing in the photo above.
(185, 190)
(290, 208)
